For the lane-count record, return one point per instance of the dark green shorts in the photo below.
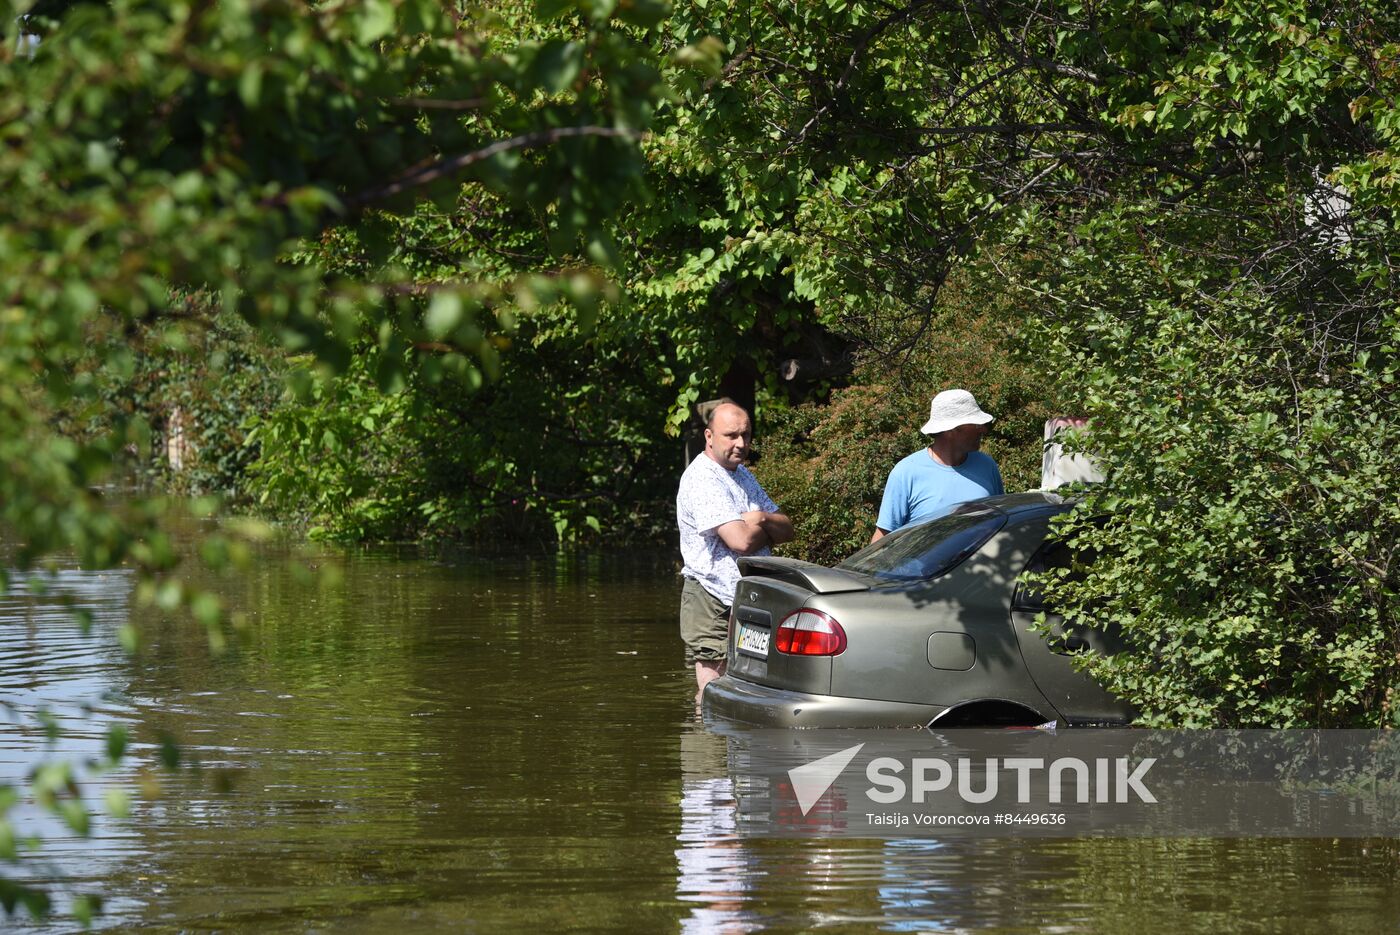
(704, 624)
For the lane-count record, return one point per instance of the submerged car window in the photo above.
(926, 550)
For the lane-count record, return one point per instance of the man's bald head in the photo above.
(726, 408)
(728, 433)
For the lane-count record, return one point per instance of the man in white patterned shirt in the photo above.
(722, 513)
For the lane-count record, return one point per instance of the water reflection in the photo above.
(58, 676)
(715, 868)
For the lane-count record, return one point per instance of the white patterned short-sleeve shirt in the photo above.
(709, 497)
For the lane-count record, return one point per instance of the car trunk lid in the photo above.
(772, 589)
(817, 578)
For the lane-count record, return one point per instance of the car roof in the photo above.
(1020, 506)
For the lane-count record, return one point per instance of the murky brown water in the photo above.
(505, 744)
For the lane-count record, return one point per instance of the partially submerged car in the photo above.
(931, 625)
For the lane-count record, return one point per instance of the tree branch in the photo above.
(1003, 128)
(433, 103)
(445, 167)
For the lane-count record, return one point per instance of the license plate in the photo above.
(753, 640)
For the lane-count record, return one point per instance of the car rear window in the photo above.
(926, 550)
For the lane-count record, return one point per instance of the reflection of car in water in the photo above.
(715, 870)
(928, 625)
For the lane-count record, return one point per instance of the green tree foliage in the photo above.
(195, 387)
(771, 222)
(565, 435)
(576, 431)
(157, 150)
(1231, 319)
(158, 146)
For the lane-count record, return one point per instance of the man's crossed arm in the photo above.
(755, 530)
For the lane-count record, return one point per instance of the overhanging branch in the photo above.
(445, 167)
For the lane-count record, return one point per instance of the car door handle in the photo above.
(1074, 644)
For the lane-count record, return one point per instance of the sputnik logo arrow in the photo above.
(811, 780)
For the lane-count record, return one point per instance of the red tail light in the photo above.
(808, 632)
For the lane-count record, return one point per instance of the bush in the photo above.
(1249, 433)
(206, 375)
(826, 463)
(566, 446)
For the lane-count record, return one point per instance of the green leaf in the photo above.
(8, 848)
(52, 729)
(557, 65)
(129, 638)
(444, 315)
(85, 907)
(643, 13)
(14, 895)
(75, 815)
(706, 56)
(117, 739)
(118, 802)
(376, 20)
(169, 752)
(79, 297)
(207, 609)
(250, 85)
(422, 16)
(548, 9)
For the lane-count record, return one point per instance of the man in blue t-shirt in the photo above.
(930, 482)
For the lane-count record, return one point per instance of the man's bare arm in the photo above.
(743, 535)
(776, 526)
(879, 534)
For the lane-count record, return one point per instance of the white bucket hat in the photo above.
(952, 408)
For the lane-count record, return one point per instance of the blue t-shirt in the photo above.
(921, 489)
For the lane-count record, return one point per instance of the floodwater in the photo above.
(482, 744)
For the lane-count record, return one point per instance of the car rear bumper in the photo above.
(735, 699)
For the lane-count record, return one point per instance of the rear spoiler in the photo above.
(815, 577)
